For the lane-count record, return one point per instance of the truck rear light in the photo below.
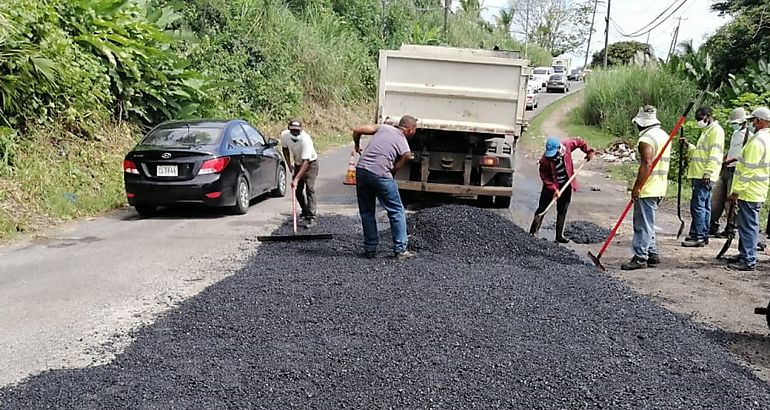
(130, 168)
(214, 195)
(130, 195)
(214, 166)
(489, 161)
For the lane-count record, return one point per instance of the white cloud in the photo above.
(698, 22)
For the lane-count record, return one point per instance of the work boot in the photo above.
(714, 231)
(741, 266)
(561, 219)
(733, 259)
(535, 227)
(404, 255)
(370, 254)
(653, 260)
(634, 264)
(694, 243)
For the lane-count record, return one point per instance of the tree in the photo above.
(624, 52)
(471, 7)
(745, 38)
(505, 19)
(559, 26)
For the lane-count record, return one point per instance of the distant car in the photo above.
(218, 163)
(557, 82)
(533, 97)
(540, 76)
(574, 75)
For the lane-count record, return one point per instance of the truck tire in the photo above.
(485, 201)
(502, 202)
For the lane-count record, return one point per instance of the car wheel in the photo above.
(537, 103)
(146, 210)
(242, 197)
(280, 182)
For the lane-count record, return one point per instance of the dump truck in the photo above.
(470, 105)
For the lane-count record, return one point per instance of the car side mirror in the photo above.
(271, 143)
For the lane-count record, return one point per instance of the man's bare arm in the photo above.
(646, 154)
(362, 130)
(402, 160)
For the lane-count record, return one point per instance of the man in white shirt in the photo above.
(299, 151)
(719, 199)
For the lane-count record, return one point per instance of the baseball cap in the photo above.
(552, 145)
(295, 125)
(737, 116)
(763, 113)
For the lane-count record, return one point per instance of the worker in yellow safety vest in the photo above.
(750, 184)
(705, 164)
(648, 193)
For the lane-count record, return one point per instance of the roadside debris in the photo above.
(619, 152)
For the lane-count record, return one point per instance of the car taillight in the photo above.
(489, 161)
(130, 168)
(214, 166)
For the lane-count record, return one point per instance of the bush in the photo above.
(613, 97)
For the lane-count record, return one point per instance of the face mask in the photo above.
(295, 135)
(752, 128)
(736, 127)
(702, 124)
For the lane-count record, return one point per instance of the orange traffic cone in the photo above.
(350, 176)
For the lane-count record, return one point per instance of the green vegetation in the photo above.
(80, 80)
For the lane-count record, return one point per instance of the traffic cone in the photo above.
(350, 176)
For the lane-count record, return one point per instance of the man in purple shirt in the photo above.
(387, 152)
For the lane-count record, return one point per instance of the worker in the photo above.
(556, 170)
(749, 189)
(387, 152)
(705, 164)
(299, 150)
(649, 188)
(719, 198)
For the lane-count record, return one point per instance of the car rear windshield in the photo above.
(541, 71)
(183, 136)
(557, 77)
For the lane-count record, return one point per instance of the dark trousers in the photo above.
(546, 196)
(306, 190)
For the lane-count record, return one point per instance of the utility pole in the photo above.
(384, 16)
(526, 31)
(447, 7)
(590, 34)
(674, 40)
(607, 34)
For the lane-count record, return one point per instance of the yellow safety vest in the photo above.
(752, 173)
(706, 157)
(657, 183)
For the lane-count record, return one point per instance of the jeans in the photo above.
(644, 228)
(369, 188)
(700, 209)
(748, 230)
(306, 190)
(719, 201)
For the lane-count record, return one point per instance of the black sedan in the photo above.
(557, 82)
(210, 162)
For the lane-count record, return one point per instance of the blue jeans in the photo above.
(644, 228)
(700, 209)
(369, 189)
(748, 230)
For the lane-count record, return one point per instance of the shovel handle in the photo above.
(294, 208)
(564, 188)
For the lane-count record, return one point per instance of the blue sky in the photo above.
(697, 22)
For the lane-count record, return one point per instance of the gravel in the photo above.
(484, 317)
(584, 232)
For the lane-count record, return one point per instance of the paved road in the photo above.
(70, 297)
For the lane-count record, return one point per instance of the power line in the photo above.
(633, 34)
(659, 23)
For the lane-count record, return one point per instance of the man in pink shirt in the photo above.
(556, 168)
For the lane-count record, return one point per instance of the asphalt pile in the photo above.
(475, 320)
(585, 232)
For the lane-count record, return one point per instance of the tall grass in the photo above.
(613, 97)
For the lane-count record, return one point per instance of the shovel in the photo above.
(730, 231)
(561, 191)
(596, 259)
(295, 236)
(679, 186)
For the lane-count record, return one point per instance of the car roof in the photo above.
(199, 123)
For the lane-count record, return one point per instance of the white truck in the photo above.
(470, 108)
(561, 65)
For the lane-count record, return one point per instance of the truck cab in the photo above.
(540, 76)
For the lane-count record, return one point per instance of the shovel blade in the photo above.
(596, 261)
(725, 247)
(679, 232)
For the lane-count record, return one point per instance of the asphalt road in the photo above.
(72, 296)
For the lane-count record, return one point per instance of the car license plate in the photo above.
(168, 171)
